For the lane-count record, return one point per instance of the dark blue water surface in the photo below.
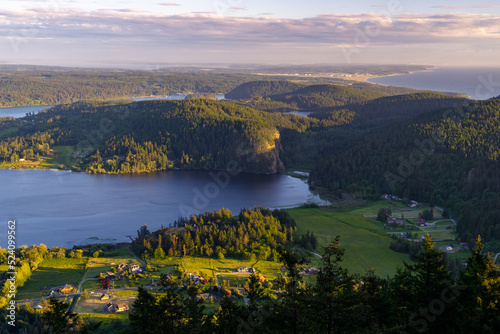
(62, 208)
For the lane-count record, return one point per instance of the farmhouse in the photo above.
(246, 269)
(197, 279)
(122, 266)
(396, 221)
(105, 296)
(115, 308)
(121, 307)
(135, 268)
(205, 296)
(309, 271)
(65, 289)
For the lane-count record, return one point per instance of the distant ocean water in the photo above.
(476, 83)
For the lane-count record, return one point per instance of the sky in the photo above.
(147, 33)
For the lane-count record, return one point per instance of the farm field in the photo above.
(365, 242)
(51, 273)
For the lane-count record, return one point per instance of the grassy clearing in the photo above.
(8, 132)
(210, 266)
(61, 156)
(104, 264)
(365, 241)
(51, 273)
(93, 304)
(107, 325)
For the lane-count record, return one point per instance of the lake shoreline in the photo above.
(57, 207)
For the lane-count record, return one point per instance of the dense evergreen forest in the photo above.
(255, 89)
(50, 88)
(448, 157)
(42, 85)
(255, 234)
(130, 137)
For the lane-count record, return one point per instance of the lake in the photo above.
(62, 208)
(19, 112)
(476, 83)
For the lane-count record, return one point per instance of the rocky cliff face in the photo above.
(263, 158)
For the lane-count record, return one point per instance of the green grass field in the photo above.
(59, 157)
(365, 241)
(53, 272)
(208, 267)
(8, 132)
(62, 154)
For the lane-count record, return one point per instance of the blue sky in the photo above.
(117, 32)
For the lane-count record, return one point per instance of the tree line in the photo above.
(255, 234)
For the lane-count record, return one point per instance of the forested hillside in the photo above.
(49, 87)
(255, 234)
(131, 137)
(282, 95)
(255, 89)
(305, 150)
(321, 96)
(389, 109)
(448, 157)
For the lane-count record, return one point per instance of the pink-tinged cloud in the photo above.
(236, 8)
(466, 6)
(170, 4)
(104, 33)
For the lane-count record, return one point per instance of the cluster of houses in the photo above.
(197, 279)
(412, 204)
(82, 155)
(309, 271)
(134, 268)
(391, 197)
(395, 221)
(246, 269)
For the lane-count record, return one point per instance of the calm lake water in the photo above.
(303, 113)
(19, 112)
(476, 83)
(62, 208)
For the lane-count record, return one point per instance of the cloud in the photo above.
(196, 34)
(466, 6)
(236, 8)
(335, 28)
(170, 4)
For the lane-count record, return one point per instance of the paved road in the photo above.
(73, 295)
(318, 255)
(452, 219)
(496, 256)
